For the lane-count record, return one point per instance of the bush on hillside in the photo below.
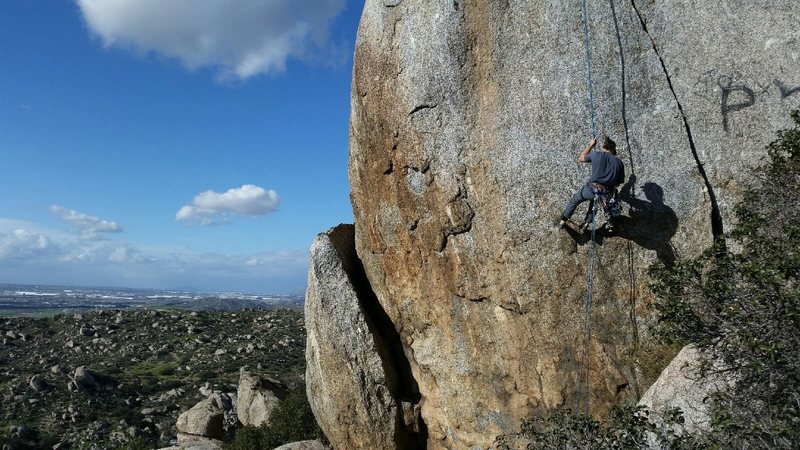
(627, 427)
(291, 421)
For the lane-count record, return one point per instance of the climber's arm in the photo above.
(589, 147)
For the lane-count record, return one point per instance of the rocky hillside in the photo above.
(106, 378)
(466, 120)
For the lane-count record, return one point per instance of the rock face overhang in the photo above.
(466, 120)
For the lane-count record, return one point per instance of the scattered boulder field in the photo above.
(152, 378)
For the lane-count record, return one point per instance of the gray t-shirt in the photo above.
(607, 169)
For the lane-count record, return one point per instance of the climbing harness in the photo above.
(583, 374)
(607, 198)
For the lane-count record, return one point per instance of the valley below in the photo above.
(107, 378)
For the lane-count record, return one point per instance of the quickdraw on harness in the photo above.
(608, 200)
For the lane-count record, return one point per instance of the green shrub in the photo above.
(150, 368)
(628, 427)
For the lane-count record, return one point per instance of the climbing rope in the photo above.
(590, 79)
(583, 376)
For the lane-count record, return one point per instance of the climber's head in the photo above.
(609, 145)
(653, 192)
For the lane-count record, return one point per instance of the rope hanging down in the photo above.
(589, 77)
(583, 375)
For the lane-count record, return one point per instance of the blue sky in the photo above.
(117, 114)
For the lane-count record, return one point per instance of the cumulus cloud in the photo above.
(88, 225)
(211, 207)
(241, 38)
(22, 243)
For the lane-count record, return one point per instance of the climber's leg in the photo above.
(587, 221)
(583, 194)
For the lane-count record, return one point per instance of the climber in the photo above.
(608, 172)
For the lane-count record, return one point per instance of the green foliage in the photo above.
(148, 368)
(291, 421)
(254, 438)
(628, 427)
(740, 303)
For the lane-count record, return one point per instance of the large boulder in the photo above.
(357, 377)
(257, 397)
(204, 419)
(466, 120)
(303, 445)
(683, 385)
(83, 377)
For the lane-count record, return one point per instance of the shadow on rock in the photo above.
(585, 237)
(651, 223)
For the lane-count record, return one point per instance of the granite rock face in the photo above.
(682, 386)
(358, 381)
(466, 120)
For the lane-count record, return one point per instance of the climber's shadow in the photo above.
(651, 224)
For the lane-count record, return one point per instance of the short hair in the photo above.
(609, 145)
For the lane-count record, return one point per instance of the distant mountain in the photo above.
(232, 304)
(16, 299)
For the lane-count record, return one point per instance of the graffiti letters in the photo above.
(745, 99)
(786, 91)
(740, 95)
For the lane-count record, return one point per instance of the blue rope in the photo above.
(585, 9)
(585, 354)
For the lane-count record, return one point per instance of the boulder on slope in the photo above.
(203, 419)
(303, 445)
(681, 385)
(257, 397)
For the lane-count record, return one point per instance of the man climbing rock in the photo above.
(608, 172)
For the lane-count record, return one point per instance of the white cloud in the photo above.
(22, 243)
(86, 224)
(210, 207)
(241, 38)
(32, 254)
